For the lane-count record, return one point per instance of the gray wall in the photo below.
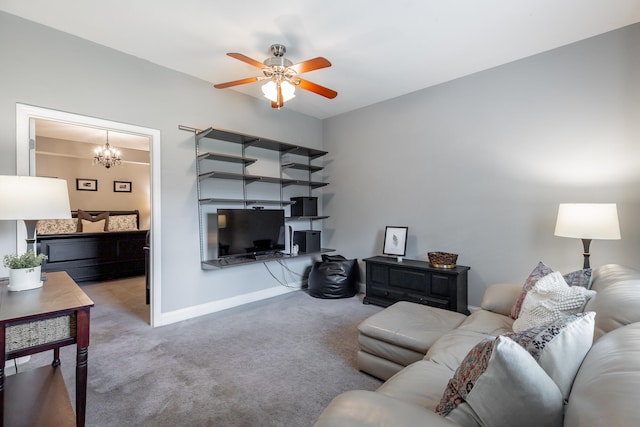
(477, 166)
(51, 69)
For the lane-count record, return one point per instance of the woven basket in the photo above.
(442, 259)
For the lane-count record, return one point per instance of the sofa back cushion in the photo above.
(617, 300)
(500, 298)
(605, 390)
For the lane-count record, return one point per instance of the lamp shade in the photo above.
(588, 221)
(33, 198)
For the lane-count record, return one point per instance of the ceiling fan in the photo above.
(282, 76)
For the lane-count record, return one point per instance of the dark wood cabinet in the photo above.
(389, 281)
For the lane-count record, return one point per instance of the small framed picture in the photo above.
(395, 241)
(83, 184)
(122, 186)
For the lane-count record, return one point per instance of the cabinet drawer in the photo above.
(389, 293)
(415, 280)
(433, 302)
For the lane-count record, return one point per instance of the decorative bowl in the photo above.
(442, 259)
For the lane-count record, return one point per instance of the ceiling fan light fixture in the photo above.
(270, 91)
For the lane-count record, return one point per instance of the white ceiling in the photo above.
(380, 49)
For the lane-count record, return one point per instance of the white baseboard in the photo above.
(215, 306)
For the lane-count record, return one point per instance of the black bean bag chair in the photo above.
(334, 277)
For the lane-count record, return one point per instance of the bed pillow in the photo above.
(559, 347)
(82, 215)
(123, 222)
(57, 226)
(580, 278)
(500, 384)
(551, 299)
(92, 226)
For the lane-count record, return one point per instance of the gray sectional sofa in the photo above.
(418, 350)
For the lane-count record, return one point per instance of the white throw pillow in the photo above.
(559, 346)
(500, 384)
(551, 299)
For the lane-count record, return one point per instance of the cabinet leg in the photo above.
(56, 357)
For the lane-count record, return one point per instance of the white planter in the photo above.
(22, 279)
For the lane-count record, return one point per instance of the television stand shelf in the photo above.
(239, 171)
(219, 263)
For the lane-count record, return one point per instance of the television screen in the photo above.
(250, 231)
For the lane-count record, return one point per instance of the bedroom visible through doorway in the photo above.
(54, 143)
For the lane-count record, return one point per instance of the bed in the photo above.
(94, 245)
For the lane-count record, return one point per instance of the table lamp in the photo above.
(31, 198)
(588, 221)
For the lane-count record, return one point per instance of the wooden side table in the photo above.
(37, 320)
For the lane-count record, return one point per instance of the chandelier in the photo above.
(107, 156)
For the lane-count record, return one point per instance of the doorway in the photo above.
(26, 119)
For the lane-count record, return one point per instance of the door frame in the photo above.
(25, 165)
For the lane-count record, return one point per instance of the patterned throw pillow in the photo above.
(576, 278)
(123, 222)
(538, 272)
(93, 218)
(56, 226)
(559, 347)
(551, 299)
(500, 384)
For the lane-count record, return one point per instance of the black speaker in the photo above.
(304, 206)
(307, 240)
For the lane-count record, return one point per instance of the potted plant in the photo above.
(24, 270)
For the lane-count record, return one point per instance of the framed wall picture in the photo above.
(395, 241)
(83, 184)
(122, 186)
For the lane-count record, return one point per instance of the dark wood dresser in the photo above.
(389, 281)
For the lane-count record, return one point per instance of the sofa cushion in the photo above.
(371, 409)
(500, 384)
(453, 346)
(410, 325)
(605, 390)
(420, 383)
(559, 347)
(550, 299)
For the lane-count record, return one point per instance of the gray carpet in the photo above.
(277, 362)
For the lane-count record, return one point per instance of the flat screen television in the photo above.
(250, 232)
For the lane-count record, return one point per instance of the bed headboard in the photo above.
(127, 221)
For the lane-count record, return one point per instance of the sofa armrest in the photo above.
(499, 298)
(369, 409)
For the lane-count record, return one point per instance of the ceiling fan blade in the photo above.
(316, 88)
(246, 59)
(310, 65)
(237, 82)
